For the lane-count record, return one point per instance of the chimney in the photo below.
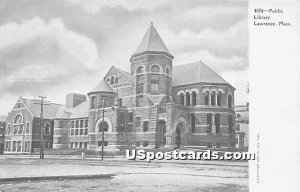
(74, 99)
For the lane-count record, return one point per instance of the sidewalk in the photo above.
(36, 169)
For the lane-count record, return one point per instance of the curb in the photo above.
(70, 177)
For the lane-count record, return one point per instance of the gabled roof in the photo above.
(123, 73)
(195, 73)
(102, 86)
(49, 110)
(152, 42)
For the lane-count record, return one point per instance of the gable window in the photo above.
(145, 126)
(188, 98)
(155, 69)
(27, 128)
(194, 98)
(213, 98)
(193, 123)
(112, 80)
(219, 98)
(116, 80)
(103, 125)
(206, 99)
(18, 119)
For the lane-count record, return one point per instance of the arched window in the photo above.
(47, 128)
(103, 125)
(18, 119)
(112, 80)
(27, 128)
(168, 71)
(116, 80)
(140, 70)
(213, 98)
(182, 99)
(229, 101)
(206, 99)
(219, 98)
(188, 98)
(155, 69)
(194, 98)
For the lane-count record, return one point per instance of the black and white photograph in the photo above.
(135, 95)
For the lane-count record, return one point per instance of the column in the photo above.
(209, 99)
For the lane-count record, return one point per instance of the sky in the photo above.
(55, 47)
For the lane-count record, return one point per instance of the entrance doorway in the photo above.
(178, 135)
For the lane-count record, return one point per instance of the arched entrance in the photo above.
(178, 135)
(160, 139)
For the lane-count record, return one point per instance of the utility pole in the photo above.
(42, 126)
(102, 126)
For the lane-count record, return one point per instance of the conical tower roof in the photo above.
(102, 86)
(152, 42)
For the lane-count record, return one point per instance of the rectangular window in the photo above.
(139, 101)
(86, 123)
(19, 146)
(76, 131)
(140, 88)
(76, 145)
(105, 143)
(104, 101)
(137, 121)
(217, 123)
(72, 124)
(154, 84)
(137, 143)
(77, 123)
(145, 126)
(145, 143)
(85, 131)
(130, 114)
(71, 145)
(72, 131)
(81, 131)
(85, 144)
(140, 78)
(193, 123)
(154, 88)
(230, 120)
(80, 145)
(81, 123)
(209, 123)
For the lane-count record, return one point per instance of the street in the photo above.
(225, 176)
